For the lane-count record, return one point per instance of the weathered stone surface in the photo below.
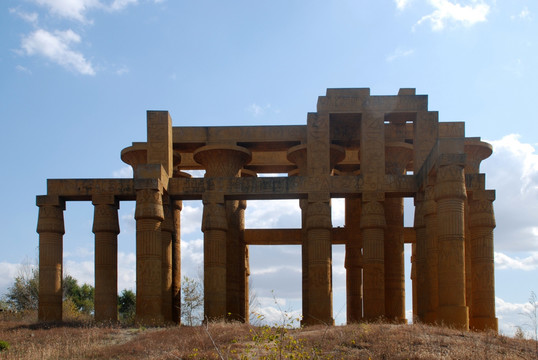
(371, 150)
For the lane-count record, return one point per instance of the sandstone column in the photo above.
(50, 226)
(397, 156)
(432, 254)
(167, 236)
(482, 223)
(373, 226)
(220, 161)
(297, 155)
(149, 216)
(319, 247)
(420, 258)
(450, 195)
(177, 206)
(353, 261)
(106, 229)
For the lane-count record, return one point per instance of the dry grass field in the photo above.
(83, 340)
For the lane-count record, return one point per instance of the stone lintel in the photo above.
(373, 196)
(50, 200)
(293, 236)
(83, 189)
(159, 148)
(213, 197)
(105, 199)
(319, 196)
(451, 145)
(262, 137)
(407, 91)
(358, 102)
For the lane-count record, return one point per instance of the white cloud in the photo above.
(513, 171)
(121, 4)
(503, 261)
(512, 315)
(447, 12)
(29, 17)
(56, 47)
(402, 4)
(124, 172)
(191, 218)
(71, 9)
(22, 69)
(524, 14)
(399, 53)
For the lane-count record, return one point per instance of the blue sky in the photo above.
(77, 76)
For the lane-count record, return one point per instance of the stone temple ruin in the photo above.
(371, 150)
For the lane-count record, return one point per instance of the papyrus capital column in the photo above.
(450, 194)
(219, 161)
(373, 226)
(50, 227)
(353, 260)
(149, 215)
(106, 229)
(482, 223)
(177, 206)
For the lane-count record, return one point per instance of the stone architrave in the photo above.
(50, 227)
(106, 229)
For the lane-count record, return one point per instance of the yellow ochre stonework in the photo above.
(373, 151)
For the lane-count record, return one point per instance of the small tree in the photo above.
(81, 296)
(192, 301)
(127, 305)
(24, 293)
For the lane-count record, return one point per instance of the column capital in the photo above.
(105, 199)
(50, 200)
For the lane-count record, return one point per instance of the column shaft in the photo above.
(482, 222)
(214, 226)
(177, 205)
(149, 216)
(167, 235)
(353, 261)
(420, 259)
(50, 227)
(106, 229)
(373, 234)
(450, 194)
(318, 225)
(394, 261)
(432, 255)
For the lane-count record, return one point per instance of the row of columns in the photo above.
(454, 252)
(158, 257)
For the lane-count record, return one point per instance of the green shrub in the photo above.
(4, 345)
